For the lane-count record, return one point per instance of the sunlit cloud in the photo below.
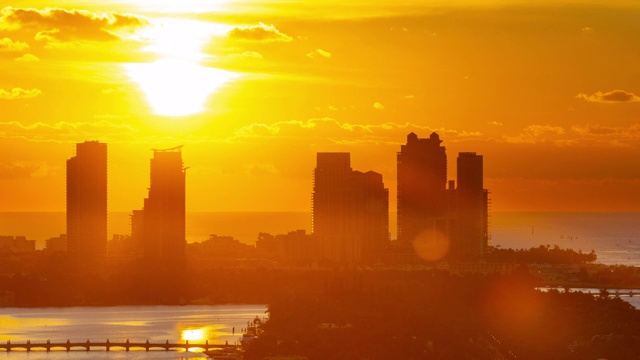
(27, 58)
(6, 44)
(56, 24)
(331, 130)
(258, 169)
(614, 96)
(619, 136)
(378, 106)
(68, 132)
(260, 32)
(18, 170)
(533, 134)
(19, 93)
(246, 55)
(319, 53)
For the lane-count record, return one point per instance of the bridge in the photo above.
(108, 345)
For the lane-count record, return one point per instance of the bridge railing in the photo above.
(108, 345)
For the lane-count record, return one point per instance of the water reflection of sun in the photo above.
(211, 333)
(195, 335)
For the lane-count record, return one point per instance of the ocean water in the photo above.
(614, 236)
(217, 324)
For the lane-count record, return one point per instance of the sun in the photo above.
(173, 7)
(177, 87)
(177, 84)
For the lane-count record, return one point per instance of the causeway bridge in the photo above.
(108, 345)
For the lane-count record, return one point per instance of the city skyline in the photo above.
(162, 218)
(546, 91)
(437, 218)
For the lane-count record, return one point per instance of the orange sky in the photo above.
(548, 91)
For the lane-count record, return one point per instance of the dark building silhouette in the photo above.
(87, 201)
(423, 200)
(16, 244)
(438, 221)
(137, 233)
(295, 246)
(350, 211)
(160, 226)
(56, 244)
(471, 229)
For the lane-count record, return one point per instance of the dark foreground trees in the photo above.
(543, 254)
(432, 315)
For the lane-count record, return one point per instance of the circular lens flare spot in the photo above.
(431, 245)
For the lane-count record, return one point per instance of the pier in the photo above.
(593, 289)
(108, 345)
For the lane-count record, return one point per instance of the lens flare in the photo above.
(431, 245)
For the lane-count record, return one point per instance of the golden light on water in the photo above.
(201, 334)
(19, 324)
(194, 335)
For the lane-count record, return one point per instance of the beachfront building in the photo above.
(160, 226)
(350, 211)
(436, 219)
(87, 201)
(423, 200)
(471, 230)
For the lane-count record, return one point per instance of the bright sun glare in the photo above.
(177, 84)
(193, 335)
(173, 6)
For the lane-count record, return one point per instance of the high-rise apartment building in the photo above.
(161, 224)
(87, 201)
(350, 211)
(422, 196)
(471, 229)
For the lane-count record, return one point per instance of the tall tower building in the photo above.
(471, 229)
(350, 210)
(161, 224)
(87, 201)
(422, 197)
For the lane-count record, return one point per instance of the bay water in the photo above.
(217, 324)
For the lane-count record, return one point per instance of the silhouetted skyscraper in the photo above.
(87, 201)
(162, 221)
(471, 225)
(422, 197)
(350, 210)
